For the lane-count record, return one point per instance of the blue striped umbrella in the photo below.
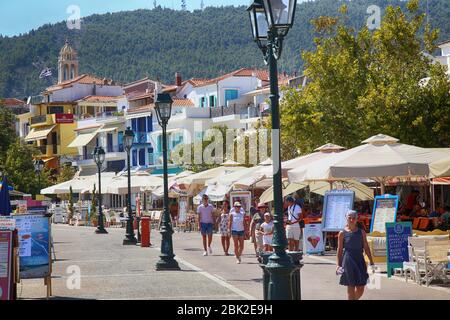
(5, 204)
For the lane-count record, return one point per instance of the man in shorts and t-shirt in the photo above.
(293, 231)
(206, 223)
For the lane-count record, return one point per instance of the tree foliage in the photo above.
(159, 42)
(368, 82)
(19, 167)
(7, 132)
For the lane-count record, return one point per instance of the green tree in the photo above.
(66, 173)
(19, 167)
(93, 216)
(363, 83)
(7, 132)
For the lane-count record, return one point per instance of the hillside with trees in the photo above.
(126, 46)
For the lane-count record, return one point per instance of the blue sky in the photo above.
(20, 16)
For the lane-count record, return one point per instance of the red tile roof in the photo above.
(12, 102)
(180, 102)
(244, 72)
(141, 96)
(100, 99)
(83, 79)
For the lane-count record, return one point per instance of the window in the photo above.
(202, 102)
(230, 95)
(109, 140)
(212, 101)
(149, 124)
(55, 110)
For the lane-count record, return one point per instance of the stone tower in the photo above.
(67, 63)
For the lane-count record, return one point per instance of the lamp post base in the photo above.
(101, 231)
(167, 264)
(281, 268)
(131, 241)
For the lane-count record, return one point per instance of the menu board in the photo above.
(397, 234)
(313, 239)
(6, 263)
(336, 205)
(384, 210)
(182, 216)
(34, 245)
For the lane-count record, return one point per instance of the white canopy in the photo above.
(362, 192)
(204, 176)
(79, 185)
(382, 157)
(82, 140)
(139, 182)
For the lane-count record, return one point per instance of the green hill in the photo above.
(126, 46)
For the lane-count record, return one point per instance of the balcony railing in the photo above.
(38, 119)
(142, 137)
(115, 148)
(244, 111)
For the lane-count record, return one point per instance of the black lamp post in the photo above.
(99, 158)
(128, 139)
(271, 21)
(38, 167)
(163, 106)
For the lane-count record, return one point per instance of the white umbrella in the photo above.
(380, 157)
(201, 177)
(139, 183)
(362, 192)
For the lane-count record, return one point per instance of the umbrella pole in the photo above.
(433, 197)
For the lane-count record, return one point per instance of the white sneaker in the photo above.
(205, 253)
(210, 250)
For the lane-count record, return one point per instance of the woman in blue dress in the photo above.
(350, 260)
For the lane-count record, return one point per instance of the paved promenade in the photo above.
(110, 270)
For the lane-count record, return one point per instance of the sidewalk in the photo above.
(110, 270)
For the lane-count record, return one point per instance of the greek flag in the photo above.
(47, 72)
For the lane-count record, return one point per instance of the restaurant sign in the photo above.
(64, 118)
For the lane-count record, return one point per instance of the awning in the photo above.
(107, 129)
(82, 140)
(39, 133)
(48, 159)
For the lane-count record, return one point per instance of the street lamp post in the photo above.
(128, 139)
(271, 21)
(38, 167)
(99, 158)
(163, 106)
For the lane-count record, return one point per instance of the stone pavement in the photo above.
(110, 270)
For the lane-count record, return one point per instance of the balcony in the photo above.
(116, 152)
(142, 137)
(243, 111)
(46, 119)
(49, 150)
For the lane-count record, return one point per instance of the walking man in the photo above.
(206, 221)
(293, 224)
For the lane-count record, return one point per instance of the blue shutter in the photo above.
(134, 157)
(149, 124)
(134, 125)
(142, 157)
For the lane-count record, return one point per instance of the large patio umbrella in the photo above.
(362, 192)
(440, 168)
(197, 181)
(5, 204)
(139, 183)
(379, 158)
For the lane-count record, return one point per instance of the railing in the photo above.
(115, 148)
(142, 137)
(244, 111)
(38, 119)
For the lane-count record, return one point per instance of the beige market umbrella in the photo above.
(379, 157)
(441, 167)
(362, 192)
(139, 183)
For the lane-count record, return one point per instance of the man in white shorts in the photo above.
(293, 224)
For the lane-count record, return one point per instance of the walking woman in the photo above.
(224, 231)
(350, 260)
(236, 225)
